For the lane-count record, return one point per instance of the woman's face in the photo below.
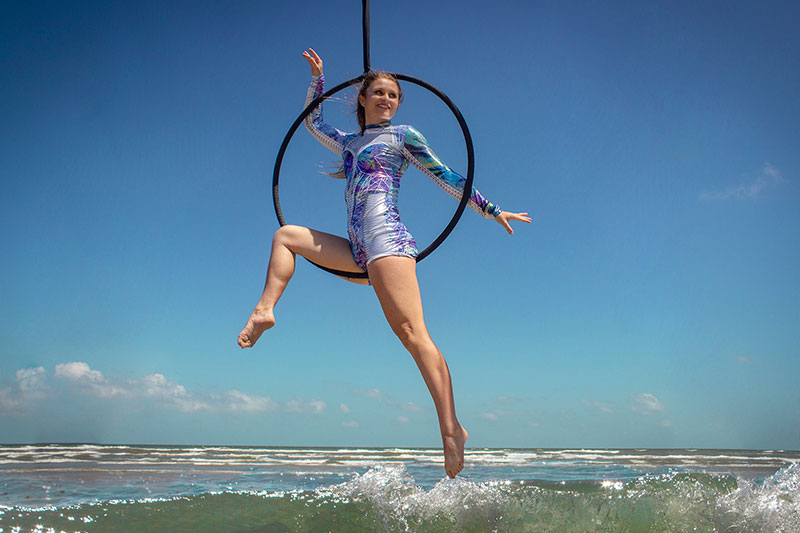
(380, 101)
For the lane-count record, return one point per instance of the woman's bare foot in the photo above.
(454, 451)
(259, 322)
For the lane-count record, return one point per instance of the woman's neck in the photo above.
(378, 124)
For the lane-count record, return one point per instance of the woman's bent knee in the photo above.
(285, 232)
(414, 338)
(288, 235)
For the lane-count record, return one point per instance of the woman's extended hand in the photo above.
(314, 60)
(505, 217)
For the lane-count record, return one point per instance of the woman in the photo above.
(374, 161)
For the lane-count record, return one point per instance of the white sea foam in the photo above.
(609, 484)
(583, 451)
(773, 505)
(393, 491)
(97, 455)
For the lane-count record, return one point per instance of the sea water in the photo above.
(54, 488)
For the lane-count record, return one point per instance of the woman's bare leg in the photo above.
(322, 248)
(395, 281)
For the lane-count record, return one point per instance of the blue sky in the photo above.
(653, 302)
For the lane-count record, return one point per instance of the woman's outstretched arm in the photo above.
(423, 157)
(330, 137)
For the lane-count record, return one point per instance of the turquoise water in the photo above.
(249, 489)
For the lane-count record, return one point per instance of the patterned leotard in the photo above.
(373, 164)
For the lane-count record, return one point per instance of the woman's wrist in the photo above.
(493, 210)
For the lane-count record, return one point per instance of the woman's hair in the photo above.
(361, 116)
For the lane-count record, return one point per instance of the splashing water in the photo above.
(773, 505)
(402, 504)
(252, 490)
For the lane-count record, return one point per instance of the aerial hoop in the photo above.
(466, 193)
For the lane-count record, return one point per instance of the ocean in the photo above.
(55, 488)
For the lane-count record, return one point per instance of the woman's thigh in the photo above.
(328, 250)
(394, 279)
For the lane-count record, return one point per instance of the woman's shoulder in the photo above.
(350, 136)
(406, 130)
(411, 135)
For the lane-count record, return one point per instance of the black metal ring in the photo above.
(466, 193)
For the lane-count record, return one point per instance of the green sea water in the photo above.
(318, 491)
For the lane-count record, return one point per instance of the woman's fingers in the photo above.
(313, 57)
(522, 217)
(314, 61)
(505, 217)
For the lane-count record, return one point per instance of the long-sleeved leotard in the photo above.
(373, 165)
